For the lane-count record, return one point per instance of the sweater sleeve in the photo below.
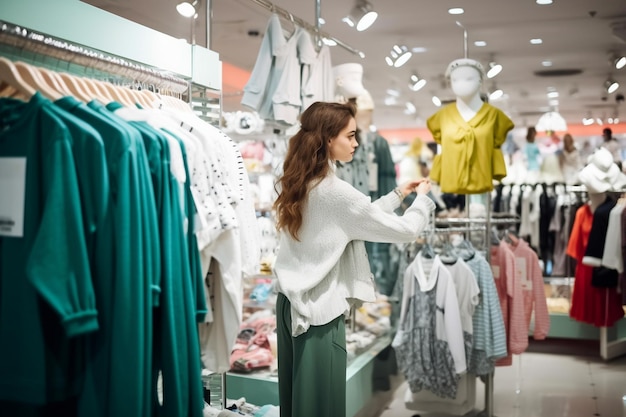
(369, 222)
(388, 202)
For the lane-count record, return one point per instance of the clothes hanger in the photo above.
(76, 88)
(115, 93)
(8, 91)
(10, 75)
(448, 254)
(101, 93)
(32, 76)
(53, 80)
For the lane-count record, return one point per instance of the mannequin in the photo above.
(595, 199)
(470, 133)
(348, 81)
(600, 175)
(466, 81)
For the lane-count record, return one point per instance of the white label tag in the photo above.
(373, 176)
(495, 270)
(522, 274)
(13, 192)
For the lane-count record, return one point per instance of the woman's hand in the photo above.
(421, 186)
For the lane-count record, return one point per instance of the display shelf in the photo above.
(262, 387)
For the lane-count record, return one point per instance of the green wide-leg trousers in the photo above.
(311, 367)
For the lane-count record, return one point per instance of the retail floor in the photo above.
(553, 379)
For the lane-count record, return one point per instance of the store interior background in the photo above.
(581, 39)
(572, 39)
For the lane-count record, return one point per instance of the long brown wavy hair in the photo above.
(307, 160)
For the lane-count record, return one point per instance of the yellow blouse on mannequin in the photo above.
(471, 157)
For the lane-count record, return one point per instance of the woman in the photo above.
(570, 160)
(321, 267)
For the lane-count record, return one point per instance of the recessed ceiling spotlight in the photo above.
(611, 85)
(480, 43)
(494, 69)
(418, 49)
(536, 41)
(620, 63)
(543, 2)
(546, 63)
(398, 56)
(362, 15)
(456, 10)
(496, 94)
(187, 9)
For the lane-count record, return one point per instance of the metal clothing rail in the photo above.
(25, 39)
(314, 29)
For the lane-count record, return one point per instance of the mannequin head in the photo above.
(349, 80)
(364, 111)
(466, 76)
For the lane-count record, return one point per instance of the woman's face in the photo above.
(343, 146)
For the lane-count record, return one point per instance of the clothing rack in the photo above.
(23, 39)
(450, 224)
(314, 29)
(609, 349)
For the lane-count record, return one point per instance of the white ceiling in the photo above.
(577, 34)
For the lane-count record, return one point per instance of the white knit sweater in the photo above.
(327, 271)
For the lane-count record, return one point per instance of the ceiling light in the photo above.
(456, 10)
(186, 8)
(436, 101)
(587, 121)
(418, 49)
(362, 15)
(543, 2)
(329, 42)
(611, 86)
(553, 94)
(496, 94)
(393, 92)
(494, 69)
(546, 63)
(480, 43)
(620, 62)
(391, 101)
(398, 56)
(416, 83)
(410, 108)
(536, 41)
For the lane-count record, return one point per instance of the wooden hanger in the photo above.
(32, 76)
(113, 92)
(148, 97)
(76, 88)
(101, 93)
(10, 75)
(53, 80)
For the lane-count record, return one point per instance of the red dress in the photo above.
(597, 306)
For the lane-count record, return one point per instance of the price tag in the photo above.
(522, 274)
(12, 196)
(495, 270)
